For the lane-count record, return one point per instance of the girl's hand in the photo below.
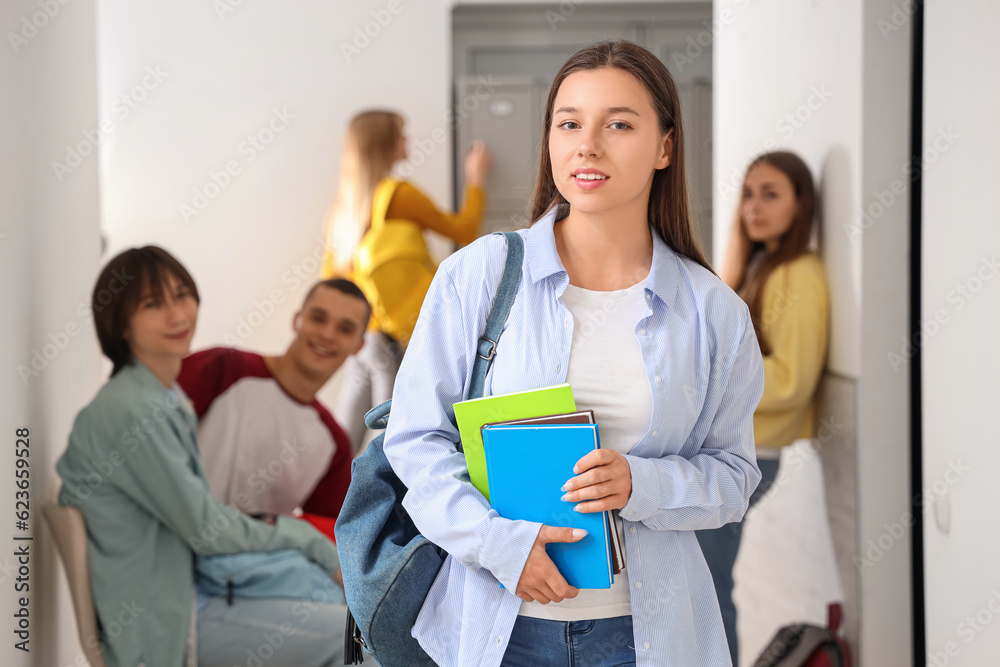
(540, 579)
(477, 164)
(734, 260)
(603, 482)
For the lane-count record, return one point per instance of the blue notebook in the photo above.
(527, 466)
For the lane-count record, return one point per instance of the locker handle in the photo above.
(942, 512)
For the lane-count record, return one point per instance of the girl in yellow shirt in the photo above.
(769, 264)
(369, 195)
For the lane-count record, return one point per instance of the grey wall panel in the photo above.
(509, 121)
(836, 439)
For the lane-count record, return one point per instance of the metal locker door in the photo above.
(508, 119)
(696, 114)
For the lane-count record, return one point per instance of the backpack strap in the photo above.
(384, 191)
(486, 348)
(373, 461)
(834, 615)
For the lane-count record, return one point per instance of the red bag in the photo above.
(805, 645)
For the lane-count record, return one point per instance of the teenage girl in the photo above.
(375, 141)
(617, 300)
(770, 266)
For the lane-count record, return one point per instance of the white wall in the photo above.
(883, 443)
(820, 79)
(961, 312)
(49, 250)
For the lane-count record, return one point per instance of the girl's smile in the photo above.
(605, 144)
(589, 179)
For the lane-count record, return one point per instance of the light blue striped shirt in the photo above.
(694, 468)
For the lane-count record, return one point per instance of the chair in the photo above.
(70, 533)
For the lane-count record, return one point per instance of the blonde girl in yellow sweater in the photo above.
(374, 143)
(770, 265)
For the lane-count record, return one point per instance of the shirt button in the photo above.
(654, 433)
(638, 584)
(642, 332)
(658, 379)
(558, 367)
(631, 529)
(646, 645)
(499, 641)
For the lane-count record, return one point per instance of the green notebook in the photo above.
(471, 415)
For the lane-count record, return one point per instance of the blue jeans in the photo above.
(271, 633)
(606, 642)
(720, 547)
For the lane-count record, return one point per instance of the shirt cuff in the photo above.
(506, 549)
(646, 493)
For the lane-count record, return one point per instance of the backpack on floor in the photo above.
(388, 566)
(805, 645)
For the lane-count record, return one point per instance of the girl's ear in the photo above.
(667, 154)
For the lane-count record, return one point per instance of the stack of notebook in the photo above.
(520, 449)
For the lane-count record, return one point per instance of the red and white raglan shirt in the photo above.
(264, 451)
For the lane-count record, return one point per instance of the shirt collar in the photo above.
(141, 374)
(543, 261)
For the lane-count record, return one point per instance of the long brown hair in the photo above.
(368, 155)
(742, 251)
(668, 211)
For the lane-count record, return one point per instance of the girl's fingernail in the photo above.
(565, 498)
(579, 533)
(578, 508)
(564, 487)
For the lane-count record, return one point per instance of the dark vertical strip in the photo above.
(916, 364)
(456, 162)
(456, 151)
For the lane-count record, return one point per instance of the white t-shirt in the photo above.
(607, 376)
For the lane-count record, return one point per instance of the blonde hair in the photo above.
(369, 152)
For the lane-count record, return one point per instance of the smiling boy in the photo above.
(268, 445)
